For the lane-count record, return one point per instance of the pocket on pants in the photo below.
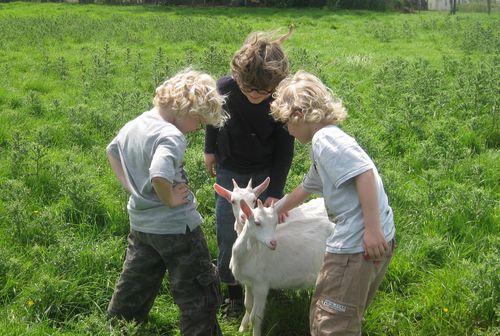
(210, 283)
(333, 316)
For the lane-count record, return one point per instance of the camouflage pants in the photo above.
(194, 282)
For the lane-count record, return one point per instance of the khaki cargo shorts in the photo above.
(345, 287)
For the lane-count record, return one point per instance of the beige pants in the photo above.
(345, 287)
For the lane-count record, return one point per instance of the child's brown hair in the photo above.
(261, 63)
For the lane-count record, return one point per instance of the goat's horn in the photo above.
(249, 186)
(235, 185)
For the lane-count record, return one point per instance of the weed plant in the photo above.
(422, 92)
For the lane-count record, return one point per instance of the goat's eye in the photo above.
(233, 202)
(257, 223)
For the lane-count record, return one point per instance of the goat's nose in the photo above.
(273, 244)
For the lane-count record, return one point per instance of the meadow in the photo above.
(422, 91)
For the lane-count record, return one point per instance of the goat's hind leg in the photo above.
(248, 309)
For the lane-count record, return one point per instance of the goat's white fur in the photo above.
(266, 255)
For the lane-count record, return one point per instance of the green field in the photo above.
(423, 93)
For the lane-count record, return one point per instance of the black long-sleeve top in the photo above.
(251, 141)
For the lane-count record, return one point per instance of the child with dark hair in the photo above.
(252, 145)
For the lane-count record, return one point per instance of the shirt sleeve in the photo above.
(210, 139)
(281, 163)
(167, 159)
(343, 163)
(312, 182)
(211, 132)
(113, 150)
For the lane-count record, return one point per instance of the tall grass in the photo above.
(423, 97)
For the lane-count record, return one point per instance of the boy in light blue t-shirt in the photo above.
(165, 234)
(360, 249)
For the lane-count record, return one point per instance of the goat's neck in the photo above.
(244, 244)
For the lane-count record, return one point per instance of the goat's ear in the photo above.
(249, 186)
(235, 185)
(261, 187)
(259, 204)
(246, 209)
(223, 192)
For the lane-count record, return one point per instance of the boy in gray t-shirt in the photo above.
(360, 249)
(165, 233)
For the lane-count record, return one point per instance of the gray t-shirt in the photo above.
(337, 158)
(149, 147)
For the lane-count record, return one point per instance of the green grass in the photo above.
(422, 92)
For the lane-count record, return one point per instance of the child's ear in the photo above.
(299, 114)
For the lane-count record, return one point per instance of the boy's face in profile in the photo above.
(300, 129)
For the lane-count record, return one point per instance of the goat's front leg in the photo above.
(259, 304)
(248, 309)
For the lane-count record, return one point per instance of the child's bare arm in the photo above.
(118, 170)
(374, 240)
(290, 201)
(171, 195)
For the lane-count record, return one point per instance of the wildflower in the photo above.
(30, 302)
(445, 310)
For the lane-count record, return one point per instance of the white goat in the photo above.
(234, 197)
(266, 255)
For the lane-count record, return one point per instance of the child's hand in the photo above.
(180, 193)
(375, 245)
(210, 163)
(172, 195)
(281, 216)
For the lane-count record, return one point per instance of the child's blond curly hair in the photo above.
(261, 63)
(305, 93)
(192, 93)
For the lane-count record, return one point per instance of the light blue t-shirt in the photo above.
(149, 147)
(337, 159)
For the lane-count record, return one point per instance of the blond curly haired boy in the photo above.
(165, 234)
(360, 249)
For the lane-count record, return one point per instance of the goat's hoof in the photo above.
(243, 328)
